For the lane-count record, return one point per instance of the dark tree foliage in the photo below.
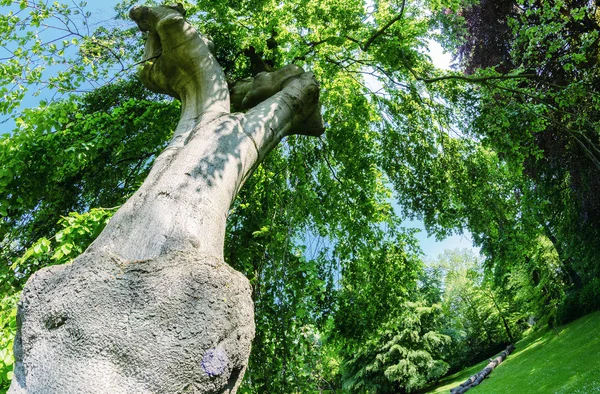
(556, 42)
(487, 42)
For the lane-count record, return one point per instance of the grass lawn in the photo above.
(544, 363)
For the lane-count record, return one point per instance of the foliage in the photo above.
(375, 285)
(508, 152)
(478, 317)
(8, 327)
(537, 285)
(544, 123)
(77, 233)
(578, 303)
(71, 155)
(387, 343)
(401, 356)
(52, 46)
(523, 169)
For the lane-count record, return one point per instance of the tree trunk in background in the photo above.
(151, 306)
(566, 262)
(504, 322)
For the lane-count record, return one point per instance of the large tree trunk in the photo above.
(151, 306)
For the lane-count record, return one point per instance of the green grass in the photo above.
(544, 363)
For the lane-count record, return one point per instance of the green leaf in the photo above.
(8, 359)
(66, 248)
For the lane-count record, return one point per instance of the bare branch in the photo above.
(312, 45)
(324, 156)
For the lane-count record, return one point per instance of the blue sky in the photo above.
(102, 11)
(432, 248)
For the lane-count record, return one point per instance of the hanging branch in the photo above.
(363, 46)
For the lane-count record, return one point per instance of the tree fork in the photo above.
(151, 306)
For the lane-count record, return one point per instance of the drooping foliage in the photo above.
(522, 167)
(507, 151)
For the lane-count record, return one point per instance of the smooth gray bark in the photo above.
(151, 306)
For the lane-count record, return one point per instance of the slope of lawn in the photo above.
(544, 363)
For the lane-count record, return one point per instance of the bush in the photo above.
(579, 303)
(403, 355)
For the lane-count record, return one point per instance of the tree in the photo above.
(306, 219)
(527, 169)
(387, 331)
(477, 317)
(159, 262)
(401, 356)
(544, 122)
(328, 188)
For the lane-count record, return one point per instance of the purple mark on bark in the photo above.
(214, 362)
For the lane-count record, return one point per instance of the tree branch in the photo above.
(475, 79)
(379, 32)
(572, 132)
(328, 163)
(312, 45)
(363, 46)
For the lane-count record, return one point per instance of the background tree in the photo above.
(479, 319)
(544, 124)
(386, 330)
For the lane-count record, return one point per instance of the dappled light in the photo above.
(224, 196)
